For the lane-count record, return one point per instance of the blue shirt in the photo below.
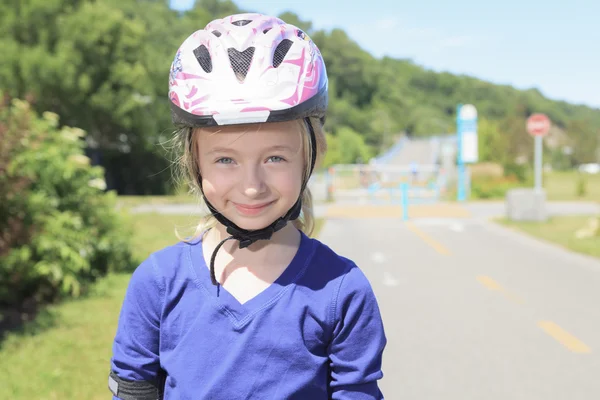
(315, 333)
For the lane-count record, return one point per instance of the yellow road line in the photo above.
(493, 285)
(488, 282)
(559, 334)
(437, 246)
(563, 337)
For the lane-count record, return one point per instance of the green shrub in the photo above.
(492, 188)
(59, 230)
(519, 171)
(581, 186)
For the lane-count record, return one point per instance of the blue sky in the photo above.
(552, 46)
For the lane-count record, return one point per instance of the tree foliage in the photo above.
(102, 65)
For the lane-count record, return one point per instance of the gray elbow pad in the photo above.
(136, 390)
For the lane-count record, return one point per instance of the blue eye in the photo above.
(224, 160)
(276, 159)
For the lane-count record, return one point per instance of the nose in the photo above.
(254, 182)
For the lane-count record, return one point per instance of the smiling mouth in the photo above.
(252, 209)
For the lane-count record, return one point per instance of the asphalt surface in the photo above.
(473, 310)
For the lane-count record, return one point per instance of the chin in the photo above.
(253, 224)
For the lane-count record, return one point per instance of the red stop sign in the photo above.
(538, 124)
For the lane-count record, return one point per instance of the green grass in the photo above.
(132, 201)
(155, 231)
(561, 231)
(563, 186)
(65, 353)
(559, 186)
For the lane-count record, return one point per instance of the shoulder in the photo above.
(165, 264)
(354, 311)
(345, 275)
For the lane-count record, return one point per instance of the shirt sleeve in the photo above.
(136, 344)
(358, 341)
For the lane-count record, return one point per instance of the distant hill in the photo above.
(382, 97)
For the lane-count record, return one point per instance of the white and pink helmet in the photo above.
(247, 68)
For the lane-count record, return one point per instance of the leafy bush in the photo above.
(519, 171)
(346, 147)
(492, 188)
(581, 186)
(485, 170)
(59, 230)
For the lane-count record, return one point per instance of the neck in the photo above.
(261, 259)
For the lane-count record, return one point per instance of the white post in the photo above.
(538, 163)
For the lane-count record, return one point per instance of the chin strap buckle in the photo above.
(245, 243)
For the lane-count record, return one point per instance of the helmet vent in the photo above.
(280, 51)
(241, 61)
(242, 22)
(216, 33)
(203, 57)
(266, 30)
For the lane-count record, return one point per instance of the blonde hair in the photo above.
(187, 172)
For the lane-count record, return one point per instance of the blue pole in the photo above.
(460, 195)
(404, 190)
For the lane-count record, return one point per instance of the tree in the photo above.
(586, 141)
(294, 19)
(87, 62)
(346, 147)
(217, 8)
(493, 143)
(352, 68)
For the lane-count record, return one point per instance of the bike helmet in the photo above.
(248, 68)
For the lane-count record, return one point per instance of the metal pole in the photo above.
(404, 193)
(538, 163)
(461, 195)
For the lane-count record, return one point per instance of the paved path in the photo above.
(476, 311)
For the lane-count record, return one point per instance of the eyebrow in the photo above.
(279, 147)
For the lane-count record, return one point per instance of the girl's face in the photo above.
(252, 174)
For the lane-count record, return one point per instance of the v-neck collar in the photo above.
(240, 313)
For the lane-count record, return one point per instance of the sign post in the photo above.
(466, 130)
(538, 126)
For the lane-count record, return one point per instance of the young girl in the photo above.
(251, 308)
